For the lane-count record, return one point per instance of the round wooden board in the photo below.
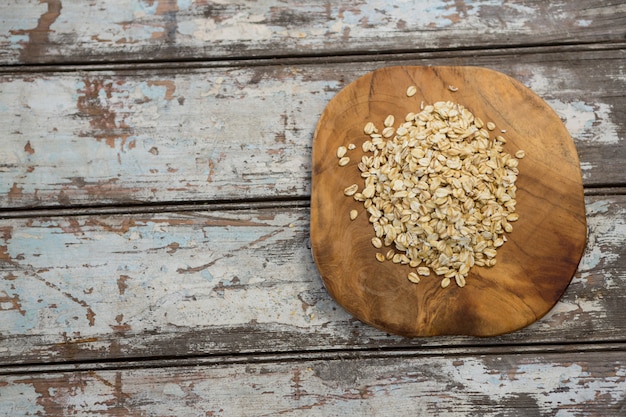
(533, 268)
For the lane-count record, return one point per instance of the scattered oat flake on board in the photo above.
(351, 190)
(413, 277)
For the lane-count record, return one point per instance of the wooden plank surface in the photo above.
(189, 283)
(538, 384)
(154, 184)
(33, 31)
(196, 134)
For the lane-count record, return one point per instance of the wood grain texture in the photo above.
(151, 285)
(55, 31)
(512, 385)
(210, 134)
(155, 163)
(543, 250)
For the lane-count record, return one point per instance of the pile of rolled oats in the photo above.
(439, 192)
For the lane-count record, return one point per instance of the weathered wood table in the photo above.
(155, 166)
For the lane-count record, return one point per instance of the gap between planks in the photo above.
(304, 356)
(315, 58)
(160, 207)
(222, 205)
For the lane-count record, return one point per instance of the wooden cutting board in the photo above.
(534, 266)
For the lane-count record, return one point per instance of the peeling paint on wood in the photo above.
(512, 385)
(53, 30)
(95, 287)
(90, 303)
(113, 138)
(206, 134)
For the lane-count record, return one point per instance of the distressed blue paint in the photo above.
(79, 85)
(591, 118)
(599, 206)
(425, 13)
(68, 267)
(3, 106)
(17, 41)
(184, 4)
(143, 6)
(16, 17)
(591, 259)
(582, 106)
(189, 138)
(39, 289)
(494, 380)
(154, 92)
(17, 399)
(206, 274)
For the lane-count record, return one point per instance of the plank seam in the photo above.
(607, 189)
(158, 207)
(459, 351)
(313, 58)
